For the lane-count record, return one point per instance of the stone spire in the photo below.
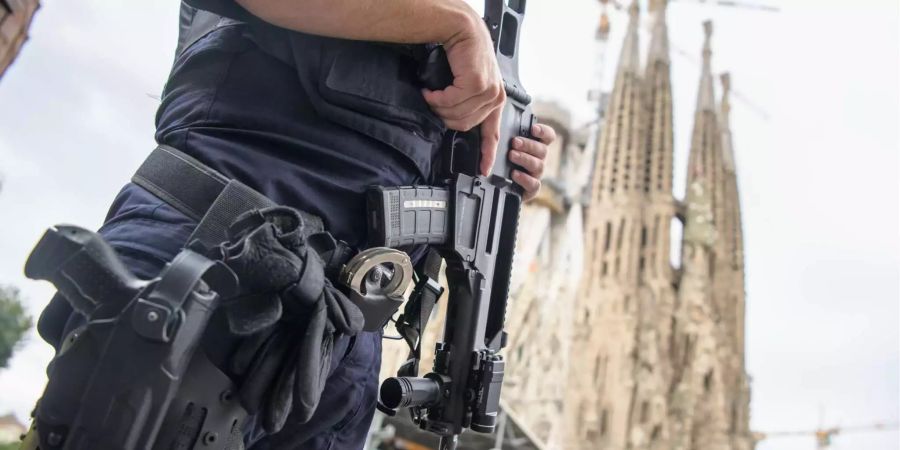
(658, 213)
(599, 407)
(705, 98)
(706, 141)
(725, 123)
(659, 39)
(629, 61)
(618, 157)
(732, 230)
(659, 151)
(730, 284)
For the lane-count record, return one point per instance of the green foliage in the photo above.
(10, 446)
(13, 323)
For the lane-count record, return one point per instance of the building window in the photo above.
(604, 422)
(645, 411)
(621, 235)
(656, 221)
(608, 239)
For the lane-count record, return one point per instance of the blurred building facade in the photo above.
(610, 346)
(15, 18)
(11, 429)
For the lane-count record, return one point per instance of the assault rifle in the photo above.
(472, 223)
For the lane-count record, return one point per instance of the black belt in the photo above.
(204, 194)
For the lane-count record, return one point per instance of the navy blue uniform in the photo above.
(308, 121)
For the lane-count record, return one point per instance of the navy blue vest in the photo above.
(309, 121)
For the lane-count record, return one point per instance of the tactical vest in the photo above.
(369, 87)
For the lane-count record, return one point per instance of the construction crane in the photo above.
(597, 94)
(690, 57)
(824, 436)
(724, 3)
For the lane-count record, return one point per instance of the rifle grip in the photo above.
(435, 73)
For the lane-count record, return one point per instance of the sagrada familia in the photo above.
(656, 360)
(611, 347)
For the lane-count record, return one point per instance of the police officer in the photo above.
(309, 102)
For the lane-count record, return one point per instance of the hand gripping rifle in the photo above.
(472, 223)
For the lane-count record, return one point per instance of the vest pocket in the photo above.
(373, 89)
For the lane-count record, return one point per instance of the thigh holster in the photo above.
(94, 399)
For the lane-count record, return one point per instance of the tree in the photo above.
(13, 323)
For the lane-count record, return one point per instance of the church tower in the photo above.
(658, 150)
(599, 399)
(731, 285)
(697, 403)
(656, 295)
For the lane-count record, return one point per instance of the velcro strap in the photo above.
(182, 181)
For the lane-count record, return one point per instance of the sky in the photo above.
(816, 137)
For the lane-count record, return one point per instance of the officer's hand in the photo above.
(476, 95)
(530, 154)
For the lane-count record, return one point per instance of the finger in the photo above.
(449, 97)
(463, 88)
(543, 133)
(490, 137)
(464, 109)
(530, 184)
(534, 166)
(532, 147)
(468, 122)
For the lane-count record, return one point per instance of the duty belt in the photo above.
(377, 277)
(205, 195)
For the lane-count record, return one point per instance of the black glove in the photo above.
(289, 312)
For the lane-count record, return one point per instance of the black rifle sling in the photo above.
(414, 320)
